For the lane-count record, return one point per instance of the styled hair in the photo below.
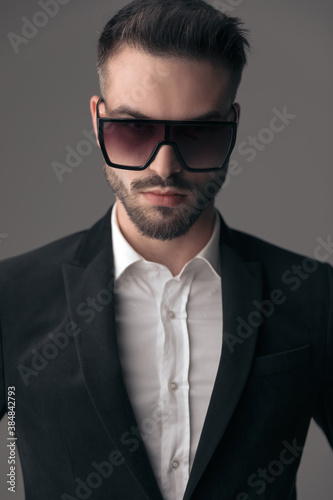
(183, 28)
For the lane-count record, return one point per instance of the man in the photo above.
(161, 354)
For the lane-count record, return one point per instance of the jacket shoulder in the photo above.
(255, 248)
(279, 263)
(48, 256)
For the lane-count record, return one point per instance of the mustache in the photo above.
(174, 181)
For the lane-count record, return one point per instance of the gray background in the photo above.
(284, 195)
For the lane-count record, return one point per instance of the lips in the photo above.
(164, 198)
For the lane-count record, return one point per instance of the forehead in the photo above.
(166, 87)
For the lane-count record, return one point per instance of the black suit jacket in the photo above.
(76, 432)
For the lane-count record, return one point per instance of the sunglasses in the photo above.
(200, 146)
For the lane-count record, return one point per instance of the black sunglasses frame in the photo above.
(168, 123)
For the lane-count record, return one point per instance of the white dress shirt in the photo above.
(169, 332)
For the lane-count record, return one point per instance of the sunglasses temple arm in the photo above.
(236, 112)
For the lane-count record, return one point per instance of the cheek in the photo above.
(125, 178)
(199, 179)
(129, 176)
(209, 185)
(117, 176)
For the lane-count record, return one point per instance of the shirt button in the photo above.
(174, 464)
(171, 314)
(173, 386)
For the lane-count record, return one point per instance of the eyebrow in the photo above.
(126, 110)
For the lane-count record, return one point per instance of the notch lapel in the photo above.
(89, 280)
(241, 285)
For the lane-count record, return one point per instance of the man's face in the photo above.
(164, 200)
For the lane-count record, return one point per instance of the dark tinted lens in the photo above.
(131, 143)
(203, 146)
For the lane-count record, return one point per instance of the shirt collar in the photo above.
(211, 252)
(124, 254)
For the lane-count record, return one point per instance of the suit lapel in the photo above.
(241, 285)
(89, 290)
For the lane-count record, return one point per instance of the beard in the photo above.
(161, 223)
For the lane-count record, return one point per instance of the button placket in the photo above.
(175, 442)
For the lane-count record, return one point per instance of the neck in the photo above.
(175, 253)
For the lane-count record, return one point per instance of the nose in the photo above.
(166, 162)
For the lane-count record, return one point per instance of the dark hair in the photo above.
(184, 28)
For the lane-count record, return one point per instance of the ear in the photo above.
(93, 105)
(237, 106)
